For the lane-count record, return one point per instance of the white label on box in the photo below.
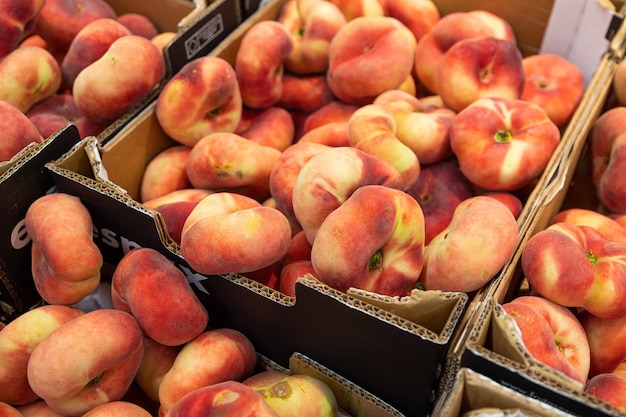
(577, 31)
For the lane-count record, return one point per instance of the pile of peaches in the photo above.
(372, 144)
(576, 269)
(140, 345)
(72, 62)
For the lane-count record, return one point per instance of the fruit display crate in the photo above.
(490, 344)
(106, 176)
(343, 332)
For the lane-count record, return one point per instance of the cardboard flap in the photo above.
(581, 31)
(505, 337)
(396, 313)
(92, 150)
(435, 310)
(507, 340)
(473, 395)
(352, 398)
(498, 412)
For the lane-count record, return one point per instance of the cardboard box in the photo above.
(471, 392)
(344, 332)
(168, 15)
(490, 346)
(22, 181)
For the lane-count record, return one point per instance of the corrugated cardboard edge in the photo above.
(435, 310)
(352, 399)
(472, 391)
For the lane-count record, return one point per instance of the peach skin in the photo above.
(203, 97)
(106, 347)
(373, 241)
(372, 129)
(261, 80)
(215, 356)
(240, 234)
(450, 261)
(229, 162)
(577, 266)
(327, 179)
(57, 222)
(226, 398)
(356, 73)
(18, 339)
(147, 285)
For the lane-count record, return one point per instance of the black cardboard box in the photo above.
(22, 181)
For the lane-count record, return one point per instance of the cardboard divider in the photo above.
(473, 394)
